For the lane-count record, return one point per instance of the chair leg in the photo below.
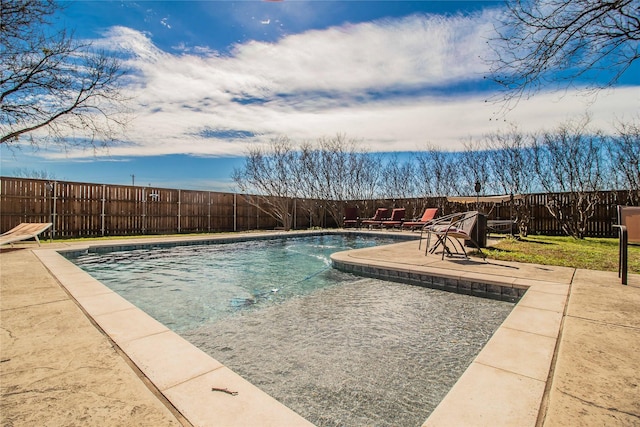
(438, 243)
(621, 240)
(445, 247)
(484, 256)
(624, 238)
(426, 249)
(453, 244)
(464, 251)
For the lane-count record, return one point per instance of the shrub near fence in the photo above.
(93, 210)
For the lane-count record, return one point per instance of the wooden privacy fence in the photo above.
(92, 210)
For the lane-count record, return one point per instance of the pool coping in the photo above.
(513, 366)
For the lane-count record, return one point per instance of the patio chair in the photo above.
(428, 215)
(24, 231)
(629, 225)
(449, 230)
(382, 214)
(351, 218)
(397, 216)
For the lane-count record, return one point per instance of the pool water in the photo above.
(338, 349)
(186, 286)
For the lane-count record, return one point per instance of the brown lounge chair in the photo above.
(397, 215)
(24, 231)
(351, 218)
(428, 215)
(382, 214)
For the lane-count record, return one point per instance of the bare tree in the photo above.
(33, 173)
(398, 178)
(557, 41)
(569, 160)
(268, 171)
(307, 186)
(52, 83)
(365, 177)
(624, 149)
(336, 170)
(399, 181)
(510, 166)
(473, 169)
(438, 171)
(509, 161)
(324, 175)
(366, 173)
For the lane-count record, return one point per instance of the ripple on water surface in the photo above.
(369, 352)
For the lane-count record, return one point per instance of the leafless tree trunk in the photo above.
(268, 171)
(510, 165)
(325, 175)
(624, 149)
(473, 168)
(569, 160)
(438, 171)
(339, 170)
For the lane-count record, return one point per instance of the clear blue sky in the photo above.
(209, 78)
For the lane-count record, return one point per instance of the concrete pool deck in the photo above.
(567, 355)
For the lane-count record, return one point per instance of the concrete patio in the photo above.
(73, 353)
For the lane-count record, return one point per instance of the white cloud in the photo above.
(130, 42)
(337, 80)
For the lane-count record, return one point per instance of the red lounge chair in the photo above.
(351, 218)
(397, 215)
(428, 216)
(382, 214)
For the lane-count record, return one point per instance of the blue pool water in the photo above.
(338, 349)
(186, 286)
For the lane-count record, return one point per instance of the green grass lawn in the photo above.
(589, 253)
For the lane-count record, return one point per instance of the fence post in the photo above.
(144, 210)
(235, 212)
(102, 216)
(54, 214)
(178, 211)
(209, 214)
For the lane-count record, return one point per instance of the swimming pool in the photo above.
(354, 352)
(184, 286)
